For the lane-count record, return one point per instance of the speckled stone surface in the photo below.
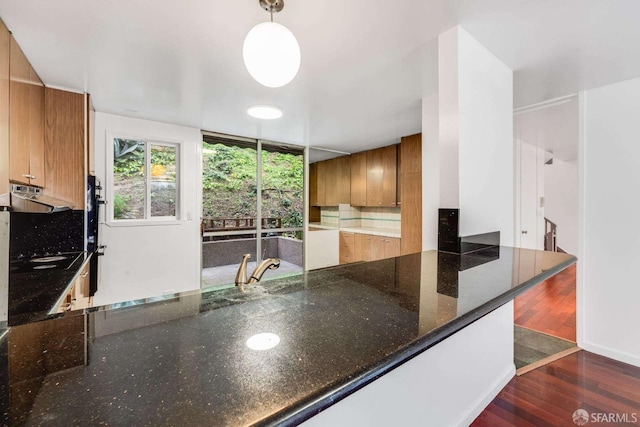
(32, 294)
(184, 361)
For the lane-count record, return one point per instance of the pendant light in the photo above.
(271, 52)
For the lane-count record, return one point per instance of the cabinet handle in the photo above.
(26, 175)
(84, 274)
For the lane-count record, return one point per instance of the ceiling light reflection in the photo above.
(263, 341)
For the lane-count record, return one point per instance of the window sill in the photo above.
(142, 222)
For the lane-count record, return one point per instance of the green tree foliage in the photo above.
(229, 184)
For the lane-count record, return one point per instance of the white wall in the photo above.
(610, 249)
(449, 117)
(486, 141)
(449, 384)
(143, 261)
(561, 202)
(468, 140)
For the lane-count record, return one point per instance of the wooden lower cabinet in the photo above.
(364, 244)
(347, 247)
(356, 247)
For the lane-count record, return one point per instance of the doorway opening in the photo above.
(252, 203)
(546, 137)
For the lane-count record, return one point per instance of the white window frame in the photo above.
(149, 141)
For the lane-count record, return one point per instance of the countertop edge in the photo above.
(71, 282)
(323, 399)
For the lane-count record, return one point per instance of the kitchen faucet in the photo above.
(241, 276)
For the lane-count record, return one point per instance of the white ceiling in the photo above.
(360, 82)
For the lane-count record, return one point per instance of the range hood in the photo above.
(25, 198)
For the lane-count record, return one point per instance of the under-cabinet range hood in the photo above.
(25, 198)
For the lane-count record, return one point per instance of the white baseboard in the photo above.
(484, 400)
(612, 354)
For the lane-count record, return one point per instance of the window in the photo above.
(145, 180)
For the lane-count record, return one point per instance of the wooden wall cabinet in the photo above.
(314, 210)
(358, 196)
(5, 48)
(26, 121)
(382, 176)
(343, 178)
(330, 178)
(332, 181)
(411, 188)
(65, 173)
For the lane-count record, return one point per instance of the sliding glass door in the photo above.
(252, 200)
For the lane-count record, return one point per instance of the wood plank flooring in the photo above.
(549, 395)
(550, 307)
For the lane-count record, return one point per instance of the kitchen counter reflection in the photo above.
(186, 359)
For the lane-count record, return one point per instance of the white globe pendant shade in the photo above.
(271, 54)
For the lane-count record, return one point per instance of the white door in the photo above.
(531, 163)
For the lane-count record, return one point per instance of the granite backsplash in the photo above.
(39, 233)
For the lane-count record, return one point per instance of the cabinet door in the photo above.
(377, 248)
(19, 115)
(375, 175)
(313, 184)
(347, 247)
(363, 247)
(65, 172)
(343, 166)
(392, 247)
(5, 48)
(411, 213)
(410, 160)
(36, 129)
(321, 184)
(359, 179)
(331, 182)
(390, 175)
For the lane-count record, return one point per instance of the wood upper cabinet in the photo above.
(321, 192)
(26, 121)
(36, 129)
(330, 178)
(5, 48)
(313, 184)
(382, 176)
(65, 174)
(358, 194)
(19, 150)
(343, 177)
(332, 181)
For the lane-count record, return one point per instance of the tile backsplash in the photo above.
(346, 216)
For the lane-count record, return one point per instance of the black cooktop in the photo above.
(45, 261)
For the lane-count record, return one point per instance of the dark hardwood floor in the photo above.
(550, 307)
(549, 395)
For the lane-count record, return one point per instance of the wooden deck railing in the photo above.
(235, 224)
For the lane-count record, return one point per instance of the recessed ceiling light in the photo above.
(266, 112)
(264, 341)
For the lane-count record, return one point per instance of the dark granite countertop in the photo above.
(33, 293)
(185, 360)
